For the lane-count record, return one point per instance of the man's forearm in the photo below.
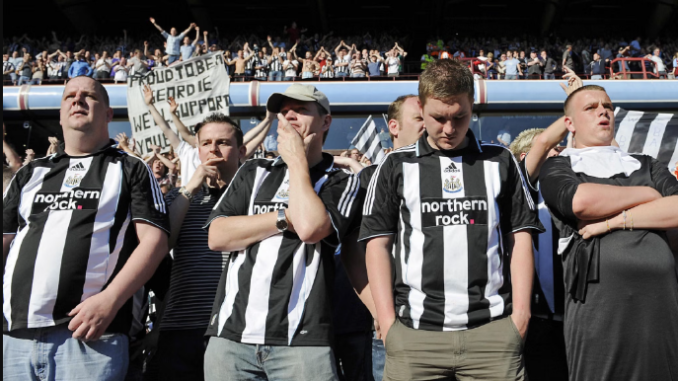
(306, 211)
(596, 201)
(522, 272)
(378, 262)
(177, 213)
(183, 130)
(658, 214)
(255, 140)
(543, 143)
(160, 121)
(240, 232)
(141, 265)
(353, 259)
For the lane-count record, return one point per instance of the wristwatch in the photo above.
(186, 193)
(281, 223)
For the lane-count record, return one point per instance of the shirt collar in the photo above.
(326, 165)
(62, 153)
(424, 148)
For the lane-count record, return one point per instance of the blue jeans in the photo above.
(23, 80)
(378, 358)
(275, 76)
(52, 354)
(549, 76)
(511, 76)
(357, 75)
(288, 79)
(596, 77)
(226, 360)
(172, 58)
(341, 74)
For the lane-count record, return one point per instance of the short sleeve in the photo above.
(558, 186)
(518, 210)
(171, 196)
(341, 198)
(381, 209)
(664, 181)
(147, 202)
(235, 201)
(10, 204)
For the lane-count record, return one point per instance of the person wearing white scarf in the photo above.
(613, 211)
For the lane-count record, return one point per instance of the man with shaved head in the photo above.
(83, 230)
(613, 211)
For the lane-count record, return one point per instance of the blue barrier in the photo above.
(375, 96)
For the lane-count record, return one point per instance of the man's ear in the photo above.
(242, 152)
(109, 115)
(327, 122)
(569, 124)
(393, 127)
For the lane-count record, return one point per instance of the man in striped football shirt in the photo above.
(83, 230)
(283, 220)
(456, 217)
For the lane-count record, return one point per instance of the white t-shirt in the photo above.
(659, 65)
(290, 71)
(189, 161)
(121, 73)
(103, 65)
(393, 64)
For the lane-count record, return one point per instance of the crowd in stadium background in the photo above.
(295, 53)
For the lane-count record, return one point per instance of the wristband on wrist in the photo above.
(186, 193)
(624, 215)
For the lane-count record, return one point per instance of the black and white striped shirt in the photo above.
(342, 69)
(452, 213)
(195, 269)
(7, 66)
(262, 71)
(73, 221)
(275, 64)
(278, 291)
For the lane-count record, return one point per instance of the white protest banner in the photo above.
(199, 86)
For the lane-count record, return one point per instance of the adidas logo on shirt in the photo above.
(78, 167)
(452, 168)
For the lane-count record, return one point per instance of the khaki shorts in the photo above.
(493, 351)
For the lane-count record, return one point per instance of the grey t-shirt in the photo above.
(137, 66)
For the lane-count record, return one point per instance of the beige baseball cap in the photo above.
(304, 93)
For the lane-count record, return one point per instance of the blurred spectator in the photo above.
(25, 70)
(358, 66)
(373, 65)
(355, 154)
(121, 71)
(597, 67)
(659, 67)
(606, 53)
(568, 59)
(162, 168)
(341, 64)
(501, 66)
(103, 66)
(512, 65)
(39, 71)
(16, 61)
(173, 40)
(534, 66)
(290, 65)
(623, 65)
(392, 62)
(188, 49)
(275, 65)
(240, 65)
(309, 66)
(137, 63)
(260, 66)
(635, 48)
(7, 69)
(549, 65)
(675, 65)
(80, 67)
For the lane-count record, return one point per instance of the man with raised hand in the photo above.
(545, 346)
(83, 230)
(613, 210)
(283, 220)
(173, 40)
(196, 269)
(456, 216)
